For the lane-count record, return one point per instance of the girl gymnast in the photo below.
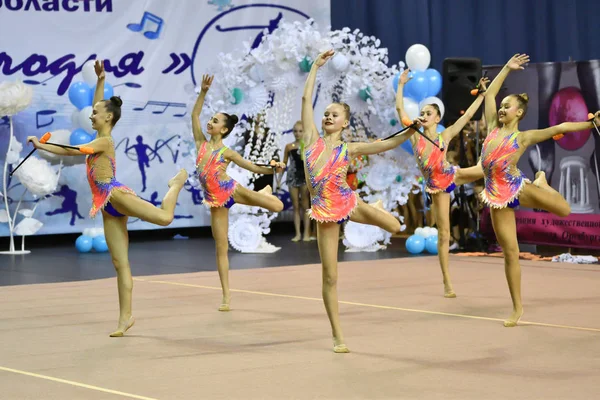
(441, 178)
(326, 161)
(116, 201)
(506, 187)
(221, 191)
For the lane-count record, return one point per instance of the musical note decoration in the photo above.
(38, 124)
(148, 17)
(163, 104)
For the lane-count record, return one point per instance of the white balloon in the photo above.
(418, 57)
(411, 107)
(89, 74)
(340, 62)
(420, 232)
(433, 100)
(75, 119)
(84, 119)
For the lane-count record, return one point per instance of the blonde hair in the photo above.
(346, 109)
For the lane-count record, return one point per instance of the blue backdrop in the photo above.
(548, 30)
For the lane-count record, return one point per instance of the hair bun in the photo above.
(116, 101)
(234, 118)
(524, 96)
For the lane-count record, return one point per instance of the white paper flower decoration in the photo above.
(244, 234)
(28, 226)
(362, 236)
(14, 97)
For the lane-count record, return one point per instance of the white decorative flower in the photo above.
(14, 97)
(37, 176)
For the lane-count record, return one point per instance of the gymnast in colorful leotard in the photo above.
(113, 199)
(505, 186)
(221, 191)
(441, 178)
(333, 202)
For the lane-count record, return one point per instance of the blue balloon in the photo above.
(415, 244)
(434, 82)
(83, 244)
(407, 147)
(417, 87)
(108, 92)
(80, 95)
(79, 137)
(99, 244)
(440, 128)
(431, 243)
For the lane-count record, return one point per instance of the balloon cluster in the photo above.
(92, 238)
(423, 239)
(81, 95)
(423, 87)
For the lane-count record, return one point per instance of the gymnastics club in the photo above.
(478, 89)
(44, 140)
(591, 118)
(272, 164)
(408, 125)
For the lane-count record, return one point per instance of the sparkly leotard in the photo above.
(295, 170)
(218, 187)
(503, 180)
(101, 168)
(332, 199)
(437, 172)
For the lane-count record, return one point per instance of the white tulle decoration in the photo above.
(37, 176)
(14, 97)
(28, 226)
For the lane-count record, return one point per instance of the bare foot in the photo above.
(179, 179)
(448, 291)
(266, 190)
(379, 204)
(339, 346)
(540, 180)
(225, 304)
(307, 238)
(123, 327)
(514, 318)
(296, 238)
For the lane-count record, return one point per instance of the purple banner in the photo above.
(576, 230)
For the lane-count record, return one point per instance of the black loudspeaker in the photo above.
(460, 76)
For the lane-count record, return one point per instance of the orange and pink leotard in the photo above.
(437, 172)
(332, 199)
(101, 168)
(503, 180)
(218, 187)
